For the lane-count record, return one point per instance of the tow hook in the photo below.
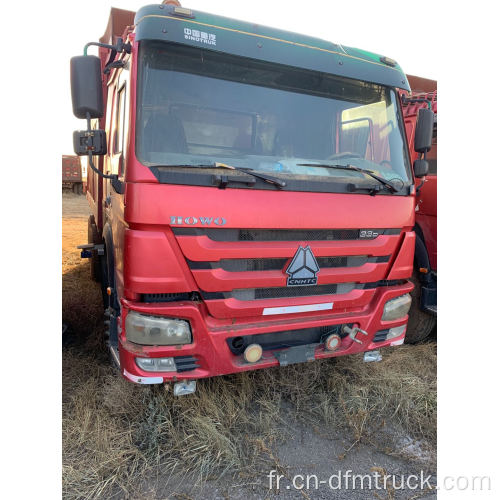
(352, 332)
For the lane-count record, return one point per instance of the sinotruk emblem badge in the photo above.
(303, 268)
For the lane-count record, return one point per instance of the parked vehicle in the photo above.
(423, 312)
(252, 194)
(72, 174)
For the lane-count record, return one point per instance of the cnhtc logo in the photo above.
(200, 36)
(303, 268)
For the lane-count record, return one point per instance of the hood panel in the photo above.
(148, 203)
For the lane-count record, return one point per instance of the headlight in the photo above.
(397, 308)
(153, 330)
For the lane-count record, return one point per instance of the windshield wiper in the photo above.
(388, 184)
(267, 178)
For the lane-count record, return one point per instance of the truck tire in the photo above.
(420, 323)
(93, 237)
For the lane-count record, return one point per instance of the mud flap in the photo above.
(428, 300)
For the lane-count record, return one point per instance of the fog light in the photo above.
(397, 308)
(332, 342)
(155, 330)
(253, 353)
(396, 331)
(156, 364)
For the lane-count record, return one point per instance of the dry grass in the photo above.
(115, 433)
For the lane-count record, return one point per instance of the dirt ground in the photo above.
(125, 441)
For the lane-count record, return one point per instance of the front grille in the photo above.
(281, 292)
(235, 265)
(280, 234)
(296, 235)
(242, 265)
(164, 297)
(262, 253)
(302, 291)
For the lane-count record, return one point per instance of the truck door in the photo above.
(114, 202)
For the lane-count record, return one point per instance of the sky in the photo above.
(387, 28)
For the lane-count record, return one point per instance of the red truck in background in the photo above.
(72, 173)
(252, 194)
(423, 312)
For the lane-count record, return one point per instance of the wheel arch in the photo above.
(107, 236)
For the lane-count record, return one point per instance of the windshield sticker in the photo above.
(200, 36)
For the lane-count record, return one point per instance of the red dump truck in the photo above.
(252, 194)
(423, 312)
(72, 173)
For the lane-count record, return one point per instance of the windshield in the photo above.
(198, 106)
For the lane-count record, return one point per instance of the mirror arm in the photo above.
(113, 64)
(419, 187)
(115, 49)
(119, 47)
(111, 58)
(116, 183)
(89, 153)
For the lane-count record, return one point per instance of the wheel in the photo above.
(420, 323)
(93, 237)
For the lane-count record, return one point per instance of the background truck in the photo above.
(423, 312)
(252, 194)
(72, 173)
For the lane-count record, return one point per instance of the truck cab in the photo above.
(253, 199)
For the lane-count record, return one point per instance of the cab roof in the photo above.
(200, 29)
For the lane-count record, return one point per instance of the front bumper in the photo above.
(210, 352)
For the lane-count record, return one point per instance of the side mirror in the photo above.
(423, 131)
(86, 86)
(89, 141)
(420, 168)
